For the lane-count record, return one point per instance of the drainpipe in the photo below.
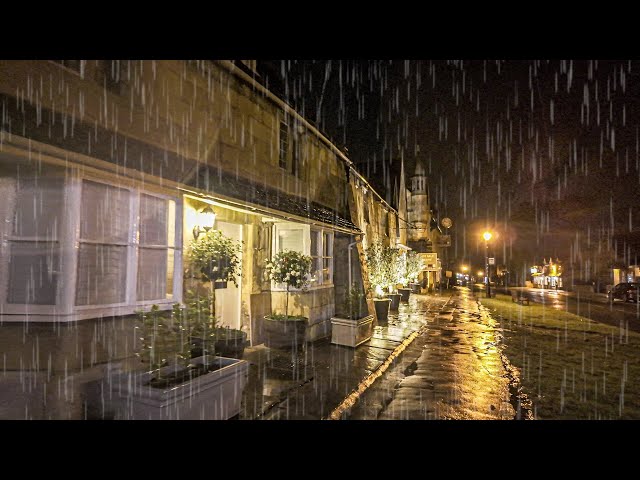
(358, 240)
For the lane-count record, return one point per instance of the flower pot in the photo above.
(382, 308)
(404, 294)
(213, 396)
(284, 333)
(395, 301)
(230, 342)
(227, 342)
(351, 332)
(415, 287)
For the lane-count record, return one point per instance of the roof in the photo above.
(218, 182)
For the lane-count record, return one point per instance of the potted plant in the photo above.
(353, 326)
(206, 336)
(292, 269)
(403, 278)
(379, 259)
(395, 259)
(415, 265)
(216, 257)
(173, 385)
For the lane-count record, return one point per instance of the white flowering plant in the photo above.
(414, 266)
(291, 268)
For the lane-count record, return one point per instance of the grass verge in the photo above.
(570, 366)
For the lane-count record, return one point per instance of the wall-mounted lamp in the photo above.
(206, 219)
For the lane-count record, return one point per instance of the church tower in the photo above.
(418, 211)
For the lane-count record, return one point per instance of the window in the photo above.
(34, 244)
(156, 250)
(316, 243)
(295, 156)
(102, 254)
(284, 145)
(327, 257)
(73, 246)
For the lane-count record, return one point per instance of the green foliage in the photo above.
(216, 256)
(382, 266)
(167, 337)
(414, 265)
(353, 303)
(164, 337)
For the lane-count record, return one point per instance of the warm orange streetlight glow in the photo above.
(487, 236)
(465, 268)
(480, 273)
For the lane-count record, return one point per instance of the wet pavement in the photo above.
(310, 385)
(453, 370)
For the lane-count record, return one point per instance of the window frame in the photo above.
(176, 246)
(9, 191)
(69, 240)
(306, 250)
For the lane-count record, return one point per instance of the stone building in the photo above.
(107, 167)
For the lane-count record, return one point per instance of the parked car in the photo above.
(625, 292)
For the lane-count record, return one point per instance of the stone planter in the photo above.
(213, 396)
(351, 332)
(415, 287)
(382, 308)
(404, 294)
(395, 301)
(286, 333)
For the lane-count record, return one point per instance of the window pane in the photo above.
(39, 206)
(152, 273)
(102, 274)
(326, 269)
(33, 273)
(315, 243)
(317, 269)
(289, 240)
(170, 266)
(326, 245)
(105, 213)
(153, 220)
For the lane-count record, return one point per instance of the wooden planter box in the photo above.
(351, 332)
(213, 396)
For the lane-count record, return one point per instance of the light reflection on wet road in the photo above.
(454, 370)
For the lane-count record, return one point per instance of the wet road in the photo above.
(589, 305)
(453, 370)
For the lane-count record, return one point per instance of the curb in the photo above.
(355, 395)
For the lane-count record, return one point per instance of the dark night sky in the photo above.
(543, 152)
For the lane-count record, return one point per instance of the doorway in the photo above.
(228, 300)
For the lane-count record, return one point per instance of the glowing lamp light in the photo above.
(480, 273)
(465, 268)
(206, 220)
(487, 236)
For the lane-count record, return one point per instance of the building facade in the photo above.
(108, 168)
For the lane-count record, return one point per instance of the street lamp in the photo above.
(487, 236)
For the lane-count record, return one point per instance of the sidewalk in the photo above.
(312, 384)
(454, 370)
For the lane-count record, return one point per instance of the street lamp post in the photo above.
(487, 236)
